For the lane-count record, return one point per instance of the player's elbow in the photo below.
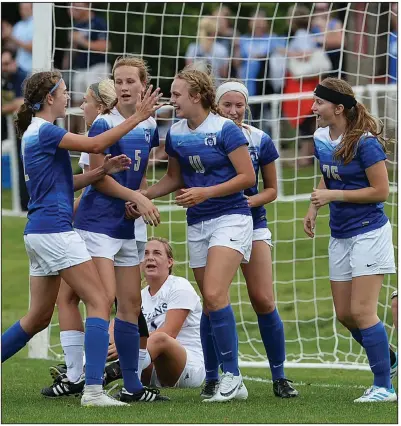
(249, 179)
(382, 194)
(96, 149)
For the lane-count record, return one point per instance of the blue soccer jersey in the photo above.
(263, 152)
(48, 177)
(350, 219)
(101, 213)
(203, 157)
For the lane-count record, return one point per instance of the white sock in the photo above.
(72, 342)
(93, 389)
(143, 361)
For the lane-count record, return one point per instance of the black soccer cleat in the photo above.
(112, 372)
(283, 389)
(209, 389)
(63, 387)
(57, 370)
(145, 395)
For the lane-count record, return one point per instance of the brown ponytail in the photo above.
(35, 89)
(359, 122)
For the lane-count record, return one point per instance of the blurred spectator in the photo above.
(304, 67)
(12, 77)
(89, 36)
(254, 48)
(207, 49)
(329, 31)
(227, 37)
(392, 48)
(21, 36)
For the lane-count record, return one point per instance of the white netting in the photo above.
(358, 43)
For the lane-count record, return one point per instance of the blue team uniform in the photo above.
(203, 158)
(100, 213)
(262, 151)
(350, 219)
(48, 176)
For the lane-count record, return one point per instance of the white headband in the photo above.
(231, 86)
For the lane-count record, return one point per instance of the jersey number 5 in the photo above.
(196, 163)
(137, 159)
(331, 172)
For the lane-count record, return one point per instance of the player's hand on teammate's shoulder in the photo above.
(147, 105)
(190, 197)
(116, 164)
(131, 211)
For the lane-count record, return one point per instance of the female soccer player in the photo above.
(208, 156)
(172, 310)
(100, 98)
(53, 247)
(351, 152)
(109, 236)
(232, 99)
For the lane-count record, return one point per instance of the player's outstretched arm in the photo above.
(169, 183)
(97, 144)
(109, 167)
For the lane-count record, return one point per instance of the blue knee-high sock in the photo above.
(126, 337)
(357, 335)
(209, 352)
(225, 332)
(375, 342)
(96, 345)
(13, 340)
(272, 332)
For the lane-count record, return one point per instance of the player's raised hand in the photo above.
(149, 104)
(310, 221)
(147, 210)
(192, 196)
(116, 164)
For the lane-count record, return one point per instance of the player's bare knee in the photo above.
(159, 339)
(214, 299)
(262, 304)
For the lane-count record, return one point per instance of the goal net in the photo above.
(266, 45)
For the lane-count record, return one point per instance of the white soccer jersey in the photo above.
(176, 293)
(141, 233)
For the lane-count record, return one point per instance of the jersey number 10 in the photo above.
(196, 163)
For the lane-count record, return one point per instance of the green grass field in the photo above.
(303, 295)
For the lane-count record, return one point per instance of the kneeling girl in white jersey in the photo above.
(232, 99)
(351, 152)
(172, 310)
(53, 248)
(208, 157)
(108, 234)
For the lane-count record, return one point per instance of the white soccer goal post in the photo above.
(161, 33)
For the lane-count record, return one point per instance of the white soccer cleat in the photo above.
(228, 388)
(376, 394)
(100, 400)
(242, 394)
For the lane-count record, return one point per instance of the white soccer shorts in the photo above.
(371, 253)
(192, 375)
(140, 245)
(122, 252)
(262, 234)
(50, 253)
(231, 230)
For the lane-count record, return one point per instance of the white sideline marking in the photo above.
(319, 385)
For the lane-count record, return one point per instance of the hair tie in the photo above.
(231, 86)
